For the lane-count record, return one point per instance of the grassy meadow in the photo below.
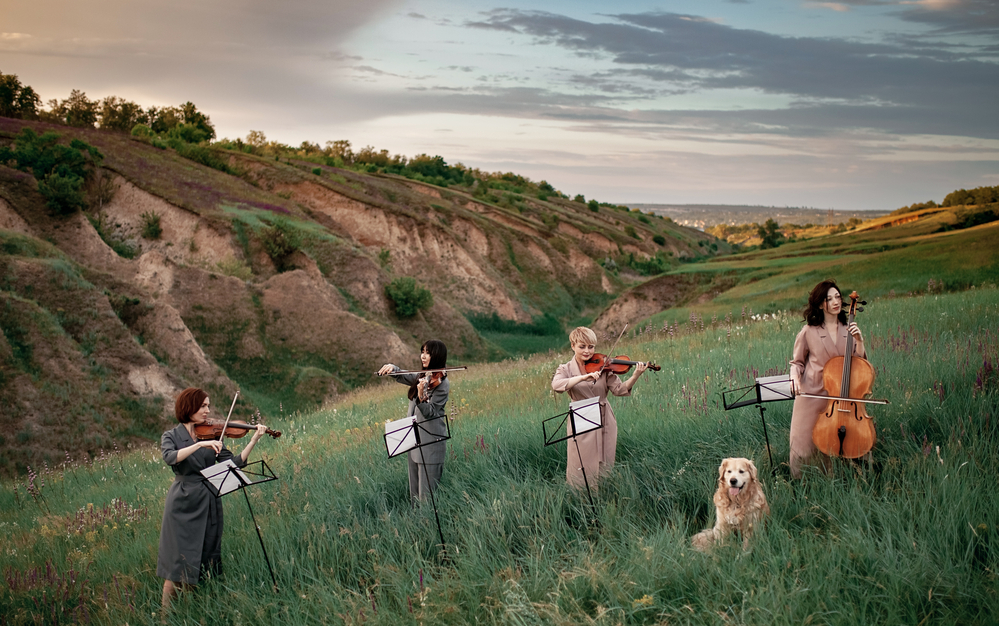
(912, 539)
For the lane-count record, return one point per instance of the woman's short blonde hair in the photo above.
(581, 334)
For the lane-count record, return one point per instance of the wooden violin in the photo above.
(212, 429)
(616, 365)
(844, 428)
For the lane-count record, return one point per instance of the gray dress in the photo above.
(191, 534)
(426, 463)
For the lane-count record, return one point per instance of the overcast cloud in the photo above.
(851, 104)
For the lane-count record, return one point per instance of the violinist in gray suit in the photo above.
(191, 533)
(822, 338)
(428, 393)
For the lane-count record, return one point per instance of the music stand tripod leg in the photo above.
(259, 536)
(582, 467)
(433, 501)
(766, 438)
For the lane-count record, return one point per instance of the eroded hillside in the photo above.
(105, 318)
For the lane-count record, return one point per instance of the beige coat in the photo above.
(813, 347)
(596, 448)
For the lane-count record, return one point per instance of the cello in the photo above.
(844, 428)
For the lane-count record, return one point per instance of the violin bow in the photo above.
(222, 434)
(439, 369)
(618, 339)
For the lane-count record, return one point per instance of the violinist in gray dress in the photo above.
(191, 534)
(427, 396)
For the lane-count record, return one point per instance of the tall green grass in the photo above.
(911, 539)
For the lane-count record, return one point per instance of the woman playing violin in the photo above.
(597, 448)
(822, 338)
(428, 393)
(191, 534)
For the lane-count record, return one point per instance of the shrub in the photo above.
(151, 228)
(659, 239)
(318, 171)
(62, 193)
(60, 170)
(280, 240)
(142, 131)
(593, 205)
(630, 231)
(408, 296)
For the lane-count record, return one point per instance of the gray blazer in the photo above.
(431, 420)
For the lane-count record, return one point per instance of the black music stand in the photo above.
(404, 435)
(765, 389)
(226, 477)
(582, 419)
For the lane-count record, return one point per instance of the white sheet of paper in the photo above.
(587, 414)
(775, 388)
(222, 478)
(400, 436)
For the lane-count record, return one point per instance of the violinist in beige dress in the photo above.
(823, 337)
(596, 448)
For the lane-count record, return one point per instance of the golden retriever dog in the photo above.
(740, 505)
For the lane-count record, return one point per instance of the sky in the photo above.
(849, 105)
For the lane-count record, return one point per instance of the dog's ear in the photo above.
(752, 470)
(722, 468)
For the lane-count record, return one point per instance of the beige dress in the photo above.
(597, 448)
(813, 347)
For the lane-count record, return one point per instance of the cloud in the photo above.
(895, 85)
(946, 16)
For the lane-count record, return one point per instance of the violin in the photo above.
(844, 428)
(433, 380)
(617, 365)
(212, 429)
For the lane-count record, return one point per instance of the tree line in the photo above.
(190, 133)
(110, 113)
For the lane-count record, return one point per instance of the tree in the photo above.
(121, 115)
(76, 110)
(340, 149)
(594, 206)
(770, 234)
(256, 138)
(17, 100)
(192, 116)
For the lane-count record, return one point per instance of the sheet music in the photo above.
(222, 476)
(400, 436)
(774, 388)
(587, 414)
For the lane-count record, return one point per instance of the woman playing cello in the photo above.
(823, 337)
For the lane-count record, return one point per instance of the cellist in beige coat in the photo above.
(822, 338)
(597, 448)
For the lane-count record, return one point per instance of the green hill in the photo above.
(222, 269)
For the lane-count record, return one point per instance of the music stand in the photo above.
(225, 477)
(583, 416)
(765, 389)
(407, 434)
